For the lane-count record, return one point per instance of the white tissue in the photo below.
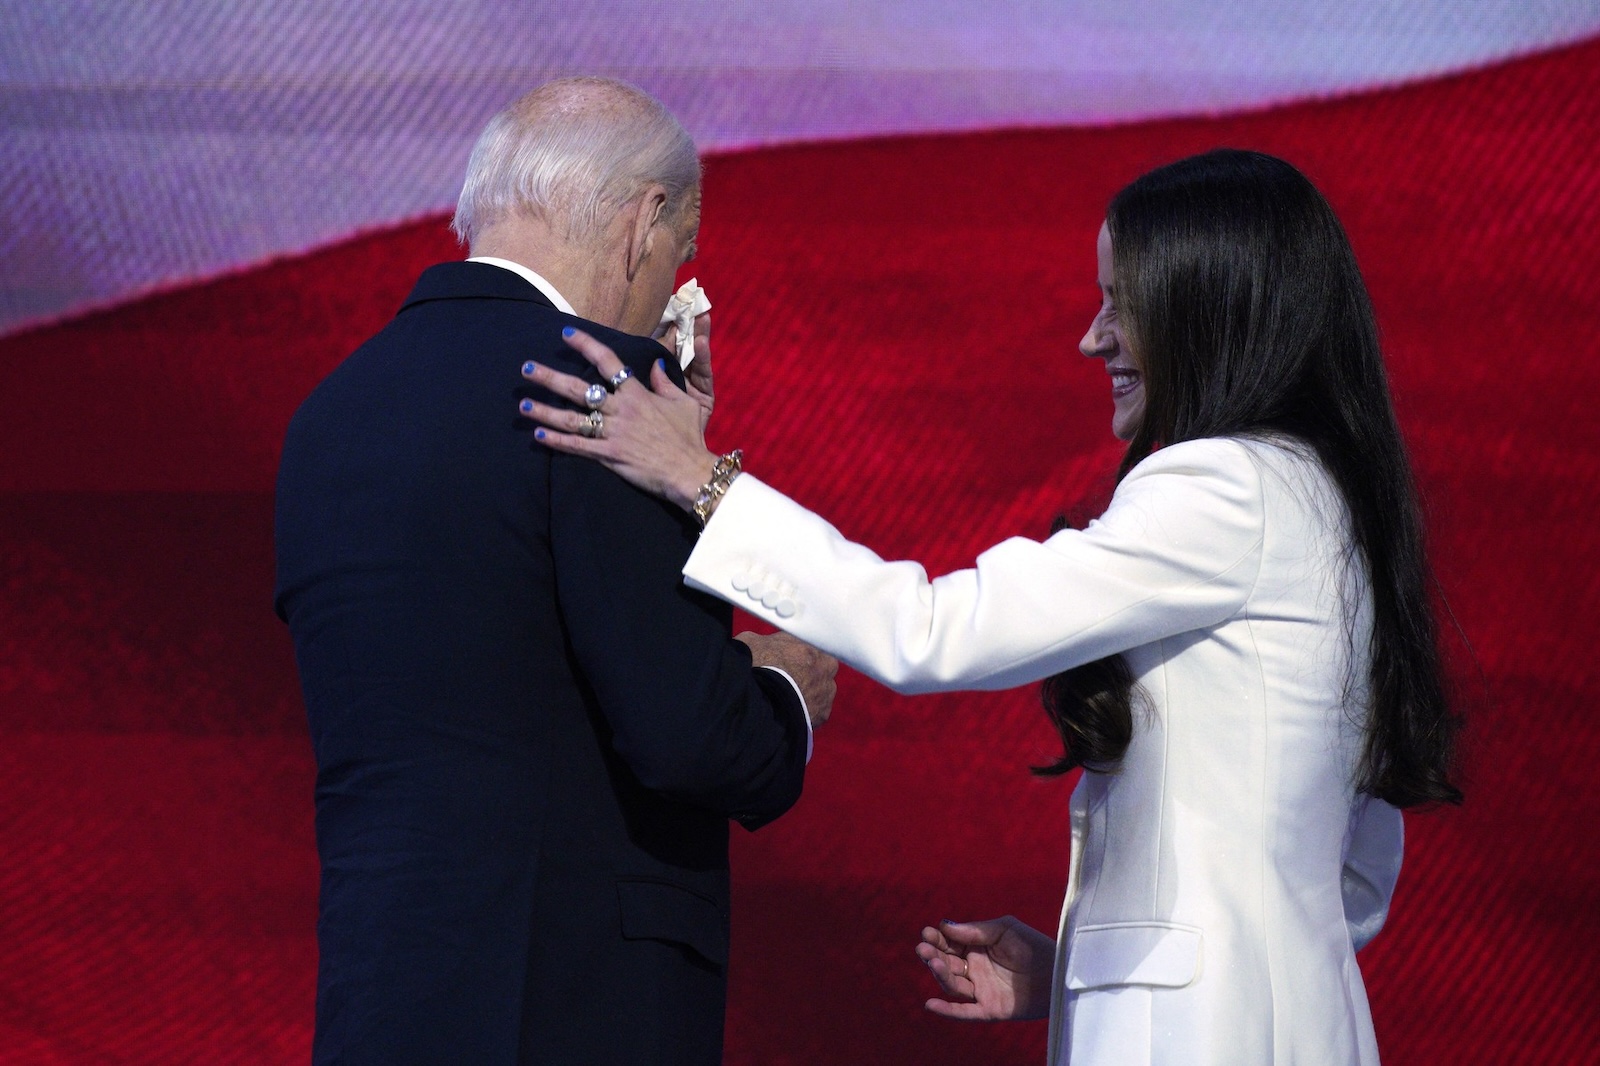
(686, 305)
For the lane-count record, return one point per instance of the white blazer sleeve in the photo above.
(1371, 868)
(1178, 550)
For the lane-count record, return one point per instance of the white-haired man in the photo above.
(530, 735)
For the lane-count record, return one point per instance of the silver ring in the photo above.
(619, 377)
(593, 425)
(595, 395)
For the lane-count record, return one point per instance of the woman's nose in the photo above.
(1094, 343)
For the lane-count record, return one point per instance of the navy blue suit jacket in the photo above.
(529, 734)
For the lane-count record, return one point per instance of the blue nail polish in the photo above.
(662, 363)
(526, 406)
(567, 331)
(538, 434)
(529, 367)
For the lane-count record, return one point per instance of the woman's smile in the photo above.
(1106, 340)
(1124, 380)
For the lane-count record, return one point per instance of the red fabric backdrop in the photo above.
(896, 331)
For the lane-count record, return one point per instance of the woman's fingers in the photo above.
(649, 432)
(660, 383)
(563, 385)
(558, 427)
(973, 934)
(950, 972)
(950, 968)
(965, 1012)
(567, 386)
(557, 418)
(599, 356)
(572, 443)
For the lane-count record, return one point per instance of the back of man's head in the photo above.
(572, 152)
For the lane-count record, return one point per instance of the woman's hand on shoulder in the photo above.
(651, 436)
(995, 970)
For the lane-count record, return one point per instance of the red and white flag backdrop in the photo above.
(203, 210)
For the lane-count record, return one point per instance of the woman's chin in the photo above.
(1125, 420)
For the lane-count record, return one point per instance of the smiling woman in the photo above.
(159, 843)
(1105, 340)
(1257, 589)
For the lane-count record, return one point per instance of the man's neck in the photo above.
(573, 271)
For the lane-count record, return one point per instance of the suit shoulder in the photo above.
(629, 348)
(636, 353)
(1225, 459)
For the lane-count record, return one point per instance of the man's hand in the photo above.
(993, 971)
(811, 669)
(698, 374)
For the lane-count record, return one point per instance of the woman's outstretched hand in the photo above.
(998, 970)
(651, 436)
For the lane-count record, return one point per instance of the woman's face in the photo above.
(1105, 340)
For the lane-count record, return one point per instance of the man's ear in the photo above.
(647, 212)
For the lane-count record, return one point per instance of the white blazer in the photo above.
(1220, 881)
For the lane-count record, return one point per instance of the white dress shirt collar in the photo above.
(531, 278)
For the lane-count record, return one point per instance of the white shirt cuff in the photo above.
(805, 712)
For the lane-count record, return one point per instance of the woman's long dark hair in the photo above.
(1241, 296)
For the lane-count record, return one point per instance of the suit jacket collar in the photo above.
(472, 281)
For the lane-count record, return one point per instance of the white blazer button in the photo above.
(756, 590)
(769, 599)
(740, 582)
(785, 608)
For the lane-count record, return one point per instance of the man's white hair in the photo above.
(572, 152)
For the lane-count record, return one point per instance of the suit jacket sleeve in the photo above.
(1178, 550)
(686, 711)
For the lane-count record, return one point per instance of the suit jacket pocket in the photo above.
(661, 910)
(1156, 954)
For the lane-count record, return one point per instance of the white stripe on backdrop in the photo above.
(155, 142)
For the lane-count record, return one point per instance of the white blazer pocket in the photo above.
(1156, 954)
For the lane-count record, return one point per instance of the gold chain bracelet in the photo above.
(728, 467)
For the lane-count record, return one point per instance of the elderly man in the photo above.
(529, 735)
